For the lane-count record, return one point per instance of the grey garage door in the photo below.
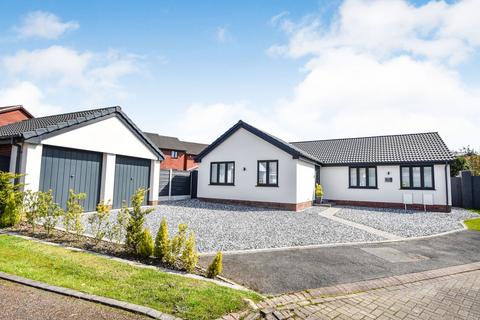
(63, 169)
(130, 174)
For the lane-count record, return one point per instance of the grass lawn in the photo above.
(180, 296)
(473, 224)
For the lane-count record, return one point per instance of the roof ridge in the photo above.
(366, 137)
(117, 108)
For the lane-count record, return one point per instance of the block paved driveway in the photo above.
(23, 302)
(282, 271)
(455, 296)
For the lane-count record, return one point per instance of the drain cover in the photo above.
(393, 255)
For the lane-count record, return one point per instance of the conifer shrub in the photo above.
(11, 199)
(100, 221)
(178, 241)
(134, 230)
(162, 242)
(145, 246)
(117, 231)
(48, 211)
(189, 257)
(72, 218)
(215, 268)
(30, 208)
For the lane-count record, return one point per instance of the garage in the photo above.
(63, 169)
(130, 174)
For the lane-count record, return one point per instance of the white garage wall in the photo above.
(335, 185)
(246, 149)
(106, 136)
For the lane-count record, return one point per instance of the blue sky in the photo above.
(299, 69)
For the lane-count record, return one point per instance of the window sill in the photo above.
(363, 188)
(267, 185)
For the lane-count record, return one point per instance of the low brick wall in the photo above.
(263, 204)
(392, 205)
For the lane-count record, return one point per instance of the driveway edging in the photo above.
(135, 308)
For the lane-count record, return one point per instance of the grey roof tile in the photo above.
(419, 147)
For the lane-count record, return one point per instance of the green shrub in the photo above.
(11, 199)
(134, 228)
(162, 242)
(189, 256)
(145, 246)
(178, 241)
(72, 219)
(48, 211)
(100, 221)
(318, 190)
(30, 208)
(215, 268)
(117, 230)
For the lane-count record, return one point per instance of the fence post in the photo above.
(170, 177)
(467, 190)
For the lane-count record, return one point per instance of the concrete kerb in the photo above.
(222, 281)
(152, 313)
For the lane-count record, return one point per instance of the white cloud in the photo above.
(41, 24)
(57, 72)
(222, 34)
(379, 67)
(28, 95)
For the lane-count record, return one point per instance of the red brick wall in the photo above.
(12, 116)
(437, 207)
(263, 204)
(190, 163)
(170, 163)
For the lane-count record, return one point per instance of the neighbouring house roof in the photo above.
(404, 148)
(17, 107)
(40, 128)
(173, 143)
(166, 142)
(279, 143)
(194, 148)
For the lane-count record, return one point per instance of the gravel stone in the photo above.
(407, 223)
(231, 227)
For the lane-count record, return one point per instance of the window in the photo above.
(222, 173)
(363, 177)
(416, 177)
(174, 154)
(267, 173)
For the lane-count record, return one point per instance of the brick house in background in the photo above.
(10, 114)
(178, 154)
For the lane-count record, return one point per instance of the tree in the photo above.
(459, 164)
(136, 221)
(474, 164)
(162, 242)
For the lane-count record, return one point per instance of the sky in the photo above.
(301, 70)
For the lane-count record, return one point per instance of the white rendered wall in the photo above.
(154, 180)
(30, 166)
(108, 178)
(334, 181)
(106, 136)
(13, 159)
(246, 149)
(305, 181)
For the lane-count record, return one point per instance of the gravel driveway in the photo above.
(230, 227)
(407, 223)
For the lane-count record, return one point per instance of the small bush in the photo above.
(162, 242)
(145, 246)
(117, 230)
(318, 190)
(30, 208)
(48, 211)
(189, 256)
(100, 221)
(11, 199)
(215, 268)
(72, 219)
(134, 230)
(178, 241)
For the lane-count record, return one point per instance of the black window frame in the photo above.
(358, 177)
(422, 177)
(218, 163)
(267, 184)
